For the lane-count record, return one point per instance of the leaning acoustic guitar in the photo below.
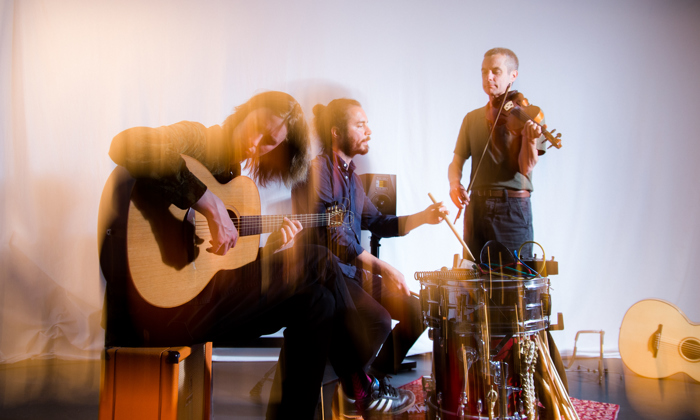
(657, 340)
(165, 247)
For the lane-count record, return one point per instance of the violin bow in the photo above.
(488, 142)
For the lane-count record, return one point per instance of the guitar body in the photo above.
(165, 254)
(657, 340)
(161, 250)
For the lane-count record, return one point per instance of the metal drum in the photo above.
(484, 351)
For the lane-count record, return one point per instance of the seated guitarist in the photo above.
(288, 286)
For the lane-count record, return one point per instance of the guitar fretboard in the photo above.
(256, 225)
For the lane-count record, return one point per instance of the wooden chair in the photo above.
(164, 383)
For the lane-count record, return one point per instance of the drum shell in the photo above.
(462, 313)
(507, 306)
(460, 389)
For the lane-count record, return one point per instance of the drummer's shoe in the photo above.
(383, 401)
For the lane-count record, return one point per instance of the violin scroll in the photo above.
(553, 140)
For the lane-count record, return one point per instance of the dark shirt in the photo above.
(153, 155)
(499, 168)
(315, 196)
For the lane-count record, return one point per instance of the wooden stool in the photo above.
(156, 383)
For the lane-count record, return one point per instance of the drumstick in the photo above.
(461, 241)
(551, 376)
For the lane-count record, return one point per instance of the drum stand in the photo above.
(374, 245)
(600, 357)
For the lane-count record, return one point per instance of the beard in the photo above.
(350, 148)
(362, 148)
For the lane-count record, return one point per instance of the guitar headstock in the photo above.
(336, 215)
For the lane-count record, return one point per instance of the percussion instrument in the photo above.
(483, 328)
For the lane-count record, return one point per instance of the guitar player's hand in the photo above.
(223, 233)
(284, 237)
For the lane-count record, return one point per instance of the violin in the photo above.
(516, 112)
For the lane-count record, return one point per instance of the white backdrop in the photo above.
(616, 205)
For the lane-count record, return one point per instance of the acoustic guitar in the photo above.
(164, 247)
(657, 340)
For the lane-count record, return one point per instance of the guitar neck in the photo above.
(257, 224)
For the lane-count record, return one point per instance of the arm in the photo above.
(223, 233)
(529, 155)
(373, 264)
(462, 152)
(457, 191)
(154, 154)
(432, 215)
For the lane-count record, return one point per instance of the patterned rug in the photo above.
(586, 410)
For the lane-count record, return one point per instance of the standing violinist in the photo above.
(499, 207)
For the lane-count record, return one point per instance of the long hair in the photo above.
(289, 162)
(335, 114)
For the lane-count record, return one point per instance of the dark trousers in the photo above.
(507, 220)
(377, 303)
(297, 289)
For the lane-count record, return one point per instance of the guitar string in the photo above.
(273, 221)
(692, 351)
(694, 347)
(258, 218)
(676, 342)
(691, 357)
(263, 226)
(276, 220)
(693, 354)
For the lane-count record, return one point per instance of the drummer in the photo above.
(376, 285)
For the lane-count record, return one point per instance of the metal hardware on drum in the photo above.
(529, 352)
(502, 389)
(484, 351)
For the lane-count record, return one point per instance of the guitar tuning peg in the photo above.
(553, 131)
(558, 135)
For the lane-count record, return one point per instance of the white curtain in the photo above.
(616, 206)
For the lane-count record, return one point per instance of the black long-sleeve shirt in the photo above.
(319, 193)
(154, 154)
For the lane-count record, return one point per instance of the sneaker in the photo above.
(384, 400)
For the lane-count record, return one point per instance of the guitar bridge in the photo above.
(655, 341)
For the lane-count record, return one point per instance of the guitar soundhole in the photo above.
(690, 349)
(234, 219)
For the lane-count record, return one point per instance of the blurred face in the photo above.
(259, 133)
(495, 75)
(357, 134)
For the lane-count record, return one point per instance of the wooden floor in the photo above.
(54, 389)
